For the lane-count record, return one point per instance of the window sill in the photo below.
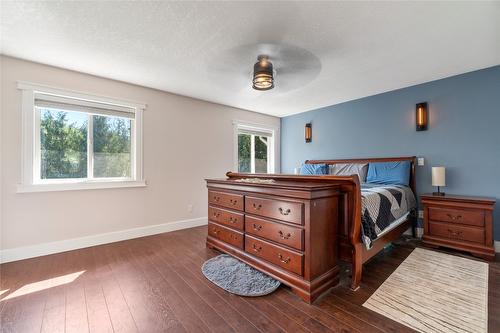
(23, 188)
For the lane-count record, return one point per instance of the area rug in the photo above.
(435, 292)
(237, 277)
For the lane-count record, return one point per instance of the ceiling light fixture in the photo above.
(263, 74)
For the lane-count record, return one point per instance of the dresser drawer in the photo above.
(226, 235)
(470, 217)
(280, 233)
(456, 232)
(287, 259)
(226, 217)
(282, 210)
(229, 200)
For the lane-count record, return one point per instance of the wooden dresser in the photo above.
(460, 222)
(287, 229)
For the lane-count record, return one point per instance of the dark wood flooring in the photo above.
(154, 284)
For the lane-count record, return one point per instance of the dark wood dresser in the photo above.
(287, 229)
(460, 222)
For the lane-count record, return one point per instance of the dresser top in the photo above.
(305, 185)
(458, 198)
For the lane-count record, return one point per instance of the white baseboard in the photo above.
(31, 251)
(497, 246)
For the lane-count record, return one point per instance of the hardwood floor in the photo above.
(154, 284)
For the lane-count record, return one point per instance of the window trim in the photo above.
(273, 159)
(31, 144)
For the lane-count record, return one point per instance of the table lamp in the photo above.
(438, 178)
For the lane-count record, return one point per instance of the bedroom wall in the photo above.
(463, 135)
(185, 141)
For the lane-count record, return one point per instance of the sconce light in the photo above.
(422, 115)
(308, 132)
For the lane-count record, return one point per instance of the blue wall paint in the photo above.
(463, 134)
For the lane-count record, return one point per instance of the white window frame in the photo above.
(30, 178)
(273, 162)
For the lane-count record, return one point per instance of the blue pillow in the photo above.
(314, 169)
(389, 173)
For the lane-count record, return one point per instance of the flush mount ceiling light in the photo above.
(263, 74)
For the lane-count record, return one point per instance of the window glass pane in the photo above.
(244, 153)
(261, 154)
(63, 144)
(112, 146)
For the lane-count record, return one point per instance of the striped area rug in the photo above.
(435, 292)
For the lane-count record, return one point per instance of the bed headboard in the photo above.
(411, 159)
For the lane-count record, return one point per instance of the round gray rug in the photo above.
(237, 277)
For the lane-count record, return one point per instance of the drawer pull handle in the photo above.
(235, 237)
(284, 211)
(283, 236)
(257, 207)
(233, 202)
(216, 198)
(215, 231)
(256, 248)
(454, 218)
(455, 233)
(257, 227)
(233, 220)
(216, 215)
(283, 260)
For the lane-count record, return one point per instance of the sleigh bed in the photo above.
(353, 245)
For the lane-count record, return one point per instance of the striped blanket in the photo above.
(381, 206)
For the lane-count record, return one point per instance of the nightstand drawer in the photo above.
(470, 217)
(456, 232)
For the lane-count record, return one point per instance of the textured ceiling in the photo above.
(324, 52)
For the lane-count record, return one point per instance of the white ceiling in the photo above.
(324, 52)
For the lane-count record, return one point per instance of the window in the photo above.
(79, 141)
(255, 148)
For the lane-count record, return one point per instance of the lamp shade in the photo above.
(438, 176)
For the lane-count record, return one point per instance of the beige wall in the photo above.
(185, 141)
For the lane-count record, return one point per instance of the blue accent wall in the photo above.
(463, 133)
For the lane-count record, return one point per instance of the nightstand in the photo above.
(460, 222)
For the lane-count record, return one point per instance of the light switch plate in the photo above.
(420, 214)
(421, 161)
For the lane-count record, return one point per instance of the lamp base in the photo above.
(438, 193)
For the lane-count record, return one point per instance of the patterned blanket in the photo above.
(382, 205)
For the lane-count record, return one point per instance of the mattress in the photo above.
(383, 207)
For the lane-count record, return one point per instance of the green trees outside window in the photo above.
(244, 151)
(252, 153)
(112, 147)
(64, 145)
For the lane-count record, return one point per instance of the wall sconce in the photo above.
(308, 132)
(422, 115)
